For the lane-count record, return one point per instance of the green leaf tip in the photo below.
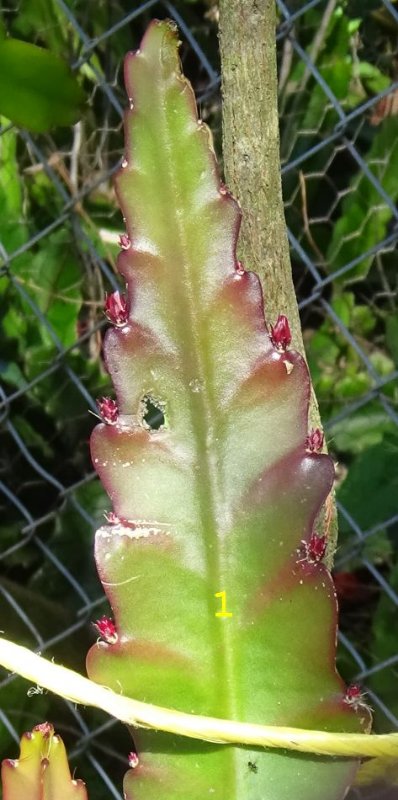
(212, 558)
(41, 772)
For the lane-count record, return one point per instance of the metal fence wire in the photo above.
(339, 134)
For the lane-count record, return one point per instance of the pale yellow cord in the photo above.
(72, 686)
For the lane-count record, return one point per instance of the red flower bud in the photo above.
(133, 760)
(314, 440)
(355, 697)
(317, 547)
(353, 693)
(45, 728)
(106, 629)
(280, 333)
(314, 550)
(111, 517)
(124, 241)
(108, 410)
(116, 308)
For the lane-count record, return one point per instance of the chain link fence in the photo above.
(338, 102)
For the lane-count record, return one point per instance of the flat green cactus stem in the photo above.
(41, 772)
(210, 559)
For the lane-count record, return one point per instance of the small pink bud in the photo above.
(106, 629)
(223, 189)
(316, 547)
(355, 697)
(314, 550)
(353, 693)
(116, 308)
(133, 760)
(124, 241)
(280, 333)
(108, 410)
(111, 517)
(239, 268)
(45, 728)
(314, 440)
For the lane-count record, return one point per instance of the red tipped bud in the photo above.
(124, 241)
(223, 189)
(45, 728)
(108, 410)
(106, 629)
(133, 760)
(314, 440)
(111, 517)
(353, 693)
(280, 333)
(317, 547)
(116, 308)
(355, 697)
(314, 550)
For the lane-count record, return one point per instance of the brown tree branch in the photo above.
(251, 156)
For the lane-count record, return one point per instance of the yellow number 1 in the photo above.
(223, 612)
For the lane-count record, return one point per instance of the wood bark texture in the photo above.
(252, 160)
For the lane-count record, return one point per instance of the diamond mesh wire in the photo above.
(334, 166)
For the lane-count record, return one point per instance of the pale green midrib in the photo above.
(208, 485)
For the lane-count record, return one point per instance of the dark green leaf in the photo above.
(364, 214)
(361, 430)
(370, 490)
(37, 89)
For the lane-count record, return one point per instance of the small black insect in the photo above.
(252, 766)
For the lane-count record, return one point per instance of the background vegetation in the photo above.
(59, 226)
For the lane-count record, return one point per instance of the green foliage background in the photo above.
(59, 223)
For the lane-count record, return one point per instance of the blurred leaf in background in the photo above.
(61, 273)
(365, 216)
(37, 89)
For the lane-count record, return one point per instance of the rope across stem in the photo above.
(72, 686)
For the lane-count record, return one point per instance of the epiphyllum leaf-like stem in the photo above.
(212, 563)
